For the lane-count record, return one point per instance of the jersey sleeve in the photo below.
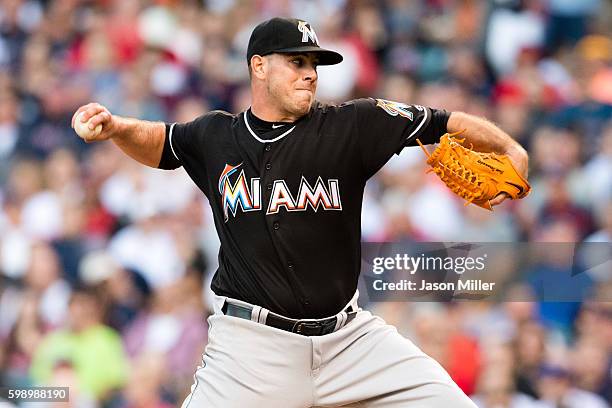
(385, 127)
(183, 140)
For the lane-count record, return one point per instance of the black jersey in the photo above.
(286, 199)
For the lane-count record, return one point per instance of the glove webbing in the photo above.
(460, 179)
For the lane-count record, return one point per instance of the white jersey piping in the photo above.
(420, 124)
(170, 140)
(246, 122)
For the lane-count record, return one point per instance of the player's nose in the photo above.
(310, 73)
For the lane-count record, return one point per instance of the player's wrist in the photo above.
(121, 128)
(519, 157)
(516, 150)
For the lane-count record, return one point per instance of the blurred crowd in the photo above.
(105, 264)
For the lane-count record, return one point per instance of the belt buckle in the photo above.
(307, 328)
(314, 328)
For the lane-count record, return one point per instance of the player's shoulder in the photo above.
(344, 106)
(218, 115)
(344, 109)
(214, 118)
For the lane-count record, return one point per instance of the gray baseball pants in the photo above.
(366, 363)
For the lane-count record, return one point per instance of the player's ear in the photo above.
(258, 66)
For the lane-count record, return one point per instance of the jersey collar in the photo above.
(259, 139)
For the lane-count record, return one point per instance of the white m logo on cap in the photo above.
(307, 32)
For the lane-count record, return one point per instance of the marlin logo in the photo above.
(397, 108)
(307, 32)
(237, 194)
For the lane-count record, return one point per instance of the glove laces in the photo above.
(460, 180)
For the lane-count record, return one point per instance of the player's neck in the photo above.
(271, 113)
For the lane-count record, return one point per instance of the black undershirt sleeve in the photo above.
(168, 160)
(436, 128)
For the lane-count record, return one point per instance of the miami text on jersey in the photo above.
(239, 194)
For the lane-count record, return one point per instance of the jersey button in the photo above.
(276, 225)
(268, 166)
(290, 265)
(269, 187)
(268, 147)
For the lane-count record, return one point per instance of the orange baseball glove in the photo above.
(475, 176)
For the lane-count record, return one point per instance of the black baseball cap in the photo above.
(288, 35)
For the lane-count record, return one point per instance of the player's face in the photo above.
(292, 81)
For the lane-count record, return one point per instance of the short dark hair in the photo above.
(91, 292)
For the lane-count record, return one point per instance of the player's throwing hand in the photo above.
(93, 122)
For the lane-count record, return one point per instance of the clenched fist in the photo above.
(93, 122)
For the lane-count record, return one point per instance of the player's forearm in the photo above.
(482, 134)
(486, 137)
(141, 140)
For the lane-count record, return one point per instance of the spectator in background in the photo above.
(171, 327)
(555, 388)
(596, 52)
(9, 130)
(93, 350)
(145, 387)
(480, 226)
(25, 179)
(22, 342)
(149, 248)
(590, 367)
(496, 386)
(125, 291)
(65, 375)
(100, 163)
(440, 336)
(594, 320)
(529, 349)
(598, 176)
(496, 389)
(369, 39)
(568, 21)
(64, 182)
(559, 281)
(43, 280)
(337, 82)
(511, 27)
(588, 108)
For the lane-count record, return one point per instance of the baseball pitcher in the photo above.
(285, 181)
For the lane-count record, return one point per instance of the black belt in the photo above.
(304, 327)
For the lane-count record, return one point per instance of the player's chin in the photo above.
(302, 104)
